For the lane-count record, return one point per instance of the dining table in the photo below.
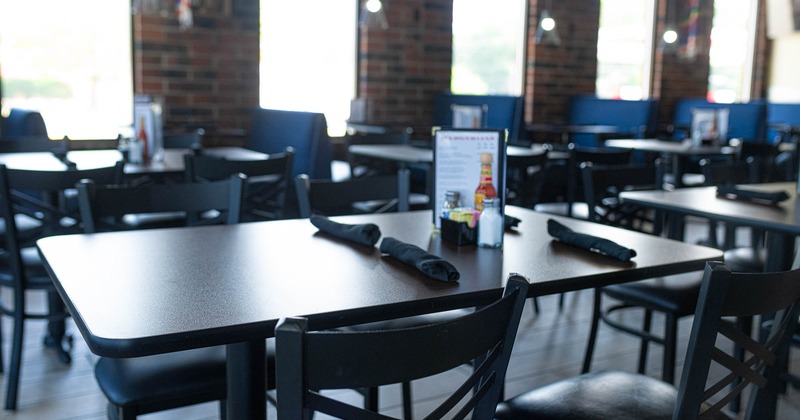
(138, 293)
(676, 152)
(170, 165)
(779, 220)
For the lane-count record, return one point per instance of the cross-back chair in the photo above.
(710, 367)
(310, 362)
(524, 178)
(268, 180)
(375, 194)
(36, 204)
(673, 296)
(141, 385)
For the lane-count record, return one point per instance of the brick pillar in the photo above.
(206, 75)
(403, 67)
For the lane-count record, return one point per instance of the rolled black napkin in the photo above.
(364, 234)
(510, 222)
(731, 191)
(433, 266)
(592, 243)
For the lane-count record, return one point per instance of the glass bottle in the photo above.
(141, 138)
(451, 201)
(490, 224)
(485, 187)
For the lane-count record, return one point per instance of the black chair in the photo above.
(189, 140)
(674, 296)
(36, 204)
(136, 386)
(310, 362)
(376, 194)
(702, 393)
(268, 180)
(365, 166)
(598, 156)
(524, 178)
(744, 258)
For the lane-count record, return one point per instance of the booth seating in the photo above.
(497, 111)
(783, 122)
(746, 121)
(635, 119)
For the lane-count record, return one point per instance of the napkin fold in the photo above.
(433, 266)
(585, 241)
(364, 234)
(771, 197)
(510, 222)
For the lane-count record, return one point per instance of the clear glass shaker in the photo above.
(490, 224)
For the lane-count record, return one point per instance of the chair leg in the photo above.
(371, 399)
(408, 413)
(15, 364)
(560, 302)
(670, 344)
(223, 409)
(587, 358)
(646, 325)
(536, 306)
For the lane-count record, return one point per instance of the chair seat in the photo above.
(603, 395)
(150, 379)
(674, 294)
(745, 259)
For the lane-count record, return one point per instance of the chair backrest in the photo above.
(309, 362)
(190, 140)
(102, 207)
(598, 156)
(603, 183)
(40, 195)
(737, 172)
(377, 194)
(524, 178)
(268, 180)
(22, 123)
(306, 132)
(724, 294)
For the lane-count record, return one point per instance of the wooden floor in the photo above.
(549, 346)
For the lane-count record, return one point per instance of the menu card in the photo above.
(457, 163)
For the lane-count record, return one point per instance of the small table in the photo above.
(146, 292)
(679, 151)
(780, 221)
(172, 164)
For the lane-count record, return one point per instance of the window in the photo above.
(488, 46)
(732, 49)
(624, 49)
(308, 57)
(60, 59)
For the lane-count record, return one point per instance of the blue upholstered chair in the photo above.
(746, 121)
(502, 111)
(23, 123)
(632, 118)
(306, 132)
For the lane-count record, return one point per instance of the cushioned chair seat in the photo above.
(595, 396)
(677, 294)
(152, 382)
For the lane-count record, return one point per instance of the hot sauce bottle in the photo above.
(485, 187)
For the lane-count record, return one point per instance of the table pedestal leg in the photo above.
(247, 380)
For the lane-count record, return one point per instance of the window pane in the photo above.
(488, 46)
(308, 60)
(58, 58)
(624, 49)
(731, 51)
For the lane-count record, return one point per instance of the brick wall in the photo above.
(403, 67)
(207, 75)
(554, 73)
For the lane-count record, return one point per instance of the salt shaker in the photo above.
(490, 224)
